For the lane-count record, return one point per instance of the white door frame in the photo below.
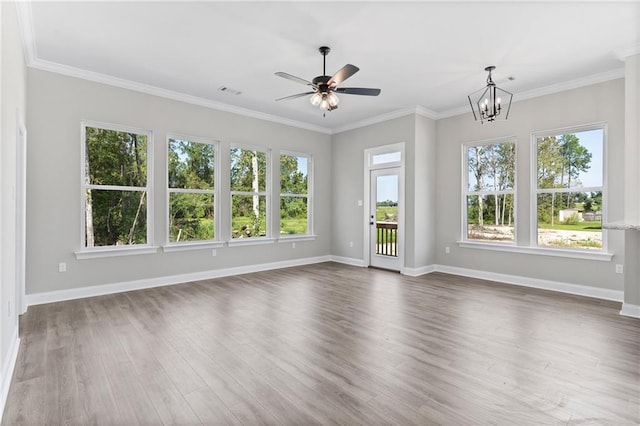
(21, 217)
(369, 165)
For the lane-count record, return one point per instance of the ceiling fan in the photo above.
(324, 87)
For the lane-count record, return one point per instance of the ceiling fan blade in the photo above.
(298, 95)
(294, 78)
(343, 74)
(358, 91)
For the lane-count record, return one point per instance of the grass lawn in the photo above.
(389, 211)
(595, 226)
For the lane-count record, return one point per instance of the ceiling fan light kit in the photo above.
(324, 87)
(491, 101)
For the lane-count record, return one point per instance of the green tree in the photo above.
(575, 159)
(249, 175)
(191, 167)
(117, 159)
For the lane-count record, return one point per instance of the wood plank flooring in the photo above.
(328, 344)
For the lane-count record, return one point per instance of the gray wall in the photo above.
(596, 103)
(13, 95)
(56, 106)
(418, 134)
(347, 161)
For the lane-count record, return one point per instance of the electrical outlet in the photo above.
(293, 245)
(350, 243)
(359, 203)
(214, 253)
(447, 250)
(619, 269)
(62, 267)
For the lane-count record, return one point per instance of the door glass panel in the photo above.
(387, 215)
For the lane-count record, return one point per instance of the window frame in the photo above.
(114, 250)
(268, 238)
(535, 191)
(216, 242)
(308, 195)
(466, 192)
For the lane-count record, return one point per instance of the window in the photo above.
(568, 192)
(294, 194)
(489, 191)
(115, 185)
(249, 193)
(192, 190)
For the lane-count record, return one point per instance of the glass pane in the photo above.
(248, 216)
(491, 218)
(390, 157)
(571, 160)
(293, 174)
(191, 164)
(570, 220)
(248, 170)
(387, 215)
(190, 217)
(115, 158)
(491, 167)
(115, 217)
(293, 216)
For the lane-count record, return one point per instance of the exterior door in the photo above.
(384, 250)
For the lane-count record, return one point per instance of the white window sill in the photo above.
(194, 245)
(292, 238)
(540, 251)
(99, 252)
(250, 241)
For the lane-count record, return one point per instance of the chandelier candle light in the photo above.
(489, 105)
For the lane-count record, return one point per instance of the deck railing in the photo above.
(387, 238)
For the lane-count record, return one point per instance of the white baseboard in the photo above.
(100, 290)
(629, 310)
(348, 261)
(577, 289)
(416, 272)
(8, 366)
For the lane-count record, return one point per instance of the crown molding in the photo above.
(25, 21)
(169, 94)
(624, 53)
(419, 110)
(548, 90)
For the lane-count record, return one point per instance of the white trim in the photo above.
(349, 261)
(309, 195)
(416, 272)
(547, 90)
(541, 251)
(296, 238)
(535, 191)
(148, 189)
(167, 94)
(629, 310)
(21, 216)
(8, 366)
(368, 168)
(250, 241)
(25, 20)
(168, 246)
(419, 110)
(577, 289)
(623, 54)
(192, 245)
(465, 193)
(113, 251)
(99, 290)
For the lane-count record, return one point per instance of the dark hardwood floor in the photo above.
(328, 344)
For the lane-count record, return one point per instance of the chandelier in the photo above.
(489, 104)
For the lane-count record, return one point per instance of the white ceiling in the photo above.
(424, 55)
